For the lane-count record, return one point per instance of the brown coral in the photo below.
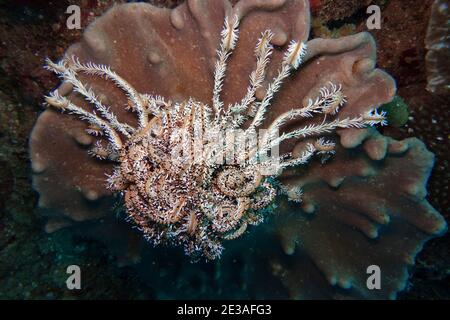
(373, 195)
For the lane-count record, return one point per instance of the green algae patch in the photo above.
(397, 112)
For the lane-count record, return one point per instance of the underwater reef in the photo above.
(352, 212)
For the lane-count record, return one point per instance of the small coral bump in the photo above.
(397, 147)
(376, 148)
(289, 244)
(416, 190)
(91, 195)
(332, 280)
(38, 165)
(308, 207)
(372, 233)
(409, 258)
(176, 19)
(335, 182)
(366, 171)
(344, 283)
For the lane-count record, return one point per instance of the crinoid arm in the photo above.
(54, 99)
(104, 71)
(230, 36)
(69, 74)
(263, 51)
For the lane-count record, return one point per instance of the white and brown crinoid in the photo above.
(180, 182)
